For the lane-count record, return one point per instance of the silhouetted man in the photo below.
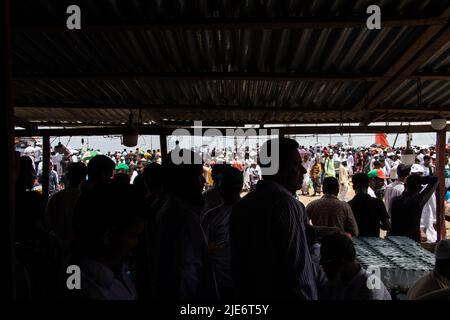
(270, 256)
(179, 246)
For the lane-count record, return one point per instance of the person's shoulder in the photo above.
(314, 203)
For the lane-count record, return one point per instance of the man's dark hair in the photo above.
(121, 178)
(360, 181)
(376, 163)
(442, 266)
(26, 175)
(216, 171)
(338, 246)
(154, 176)
(183, 174)
(76, 173)
(403, 170)
(99, 164)
(330, 185)
(413, 184)
(107, 205)
(286, 146)
(426, 158)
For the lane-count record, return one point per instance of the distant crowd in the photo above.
(146, 227)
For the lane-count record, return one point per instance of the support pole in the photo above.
(7, 160)
(440, 196)
(45, 167)
(163, 145)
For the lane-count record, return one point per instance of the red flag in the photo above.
(381, 138)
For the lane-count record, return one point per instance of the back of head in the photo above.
(183, 170)
(121, 178)
(100, 168)
(26, 173)
(413, 184)
(76, 173)
(108, 206)
(403, 170)
(330, 186)
(360, 181)
(231, 183)
(337, 246)
(275, 153)
(217, 170)
(442, 254)
(153, 176)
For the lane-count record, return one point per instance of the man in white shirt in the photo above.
(343, 181)
(394, 167)
(350, 163)
(421, 155)
(428, 218)
(37, 156)
(428, 168)
(377, 180)
(396, 189)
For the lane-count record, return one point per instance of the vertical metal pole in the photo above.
(440, 195)
(45, 167)
(163, 145)
(8, 158)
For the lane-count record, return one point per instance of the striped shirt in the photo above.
(269, 254)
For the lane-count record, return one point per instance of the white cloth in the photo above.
(37, 154)
(350, 164)
(393, 174)
(371, 192)
(56, 160)
(386, 169)
(393, 190)
(428, 218)
(426, 172)
(254, 174)
(420, 157)
(133, 176)
(306, 179)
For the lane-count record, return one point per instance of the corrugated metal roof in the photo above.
(337, 51)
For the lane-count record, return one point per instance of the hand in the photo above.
(213, 247)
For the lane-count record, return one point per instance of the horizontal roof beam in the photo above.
(219, 108)
(421, 50)
(235, 24)
(100, 131)
(269, 76)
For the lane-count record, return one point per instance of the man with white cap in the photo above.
(395, 162)
(439, 278)
(428, 218)
(429, 169)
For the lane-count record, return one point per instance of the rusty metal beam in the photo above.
(101, 131)
(235, 24)
(250, 76)
(416, 55)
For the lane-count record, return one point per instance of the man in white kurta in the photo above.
(428, 218)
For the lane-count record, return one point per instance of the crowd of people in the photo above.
(139, 225)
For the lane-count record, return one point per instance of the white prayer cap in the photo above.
(433, 156)
(416, 168)
(443, 250)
